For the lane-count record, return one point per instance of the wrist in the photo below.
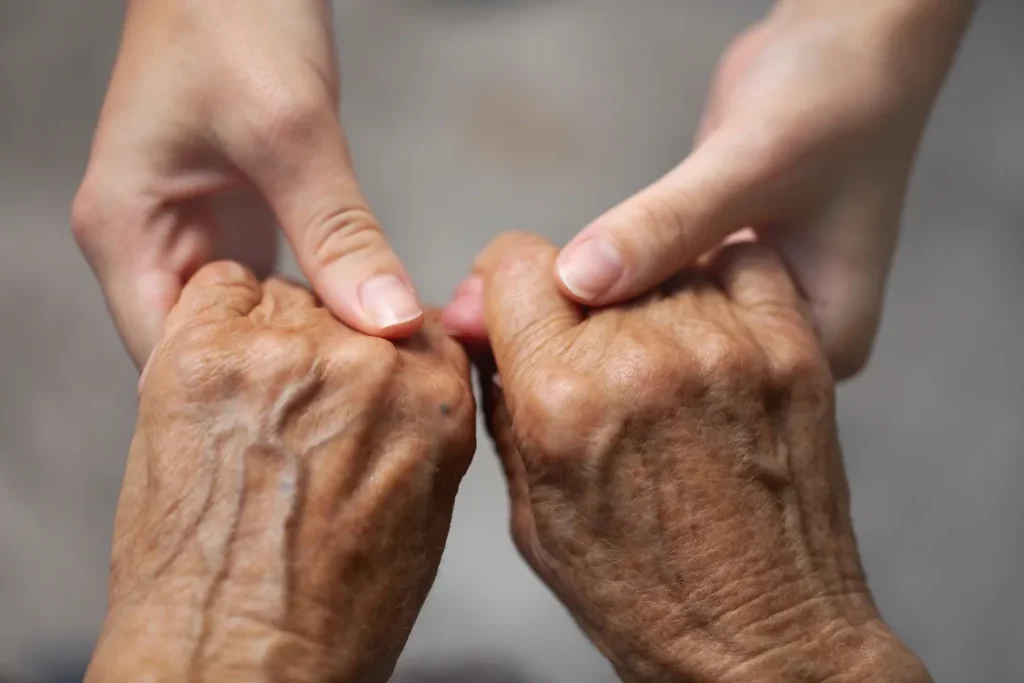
(867, 653)
(862, 654)
(838, 641)
(133, 648)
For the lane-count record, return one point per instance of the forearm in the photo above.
(915, 41)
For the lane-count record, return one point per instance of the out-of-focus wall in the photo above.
(467, 118)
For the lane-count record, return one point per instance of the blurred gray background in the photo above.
(467, 118)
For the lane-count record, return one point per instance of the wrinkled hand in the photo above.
(220, 122)
(809, 136)
(675, 473)
(288, 492)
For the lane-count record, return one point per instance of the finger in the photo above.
(464, 314)
(222, 290)
(757, 281)
(310, 184)
(285, 304)
(499, 426)
(756, 278)
(648, 238)
(523, 307)
(219, 291)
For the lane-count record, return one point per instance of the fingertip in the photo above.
(590, 270)
(464, 319)
(389, 304)
(381, 304)
(463, 316)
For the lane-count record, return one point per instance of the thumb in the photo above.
(665, 227)
(339, 245)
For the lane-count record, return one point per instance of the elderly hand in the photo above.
(675, 473)
(220, 122)
(809, 136)
(288, 492)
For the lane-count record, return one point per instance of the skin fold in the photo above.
(288, 492)
(675, 473)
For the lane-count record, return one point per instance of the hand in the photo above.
(221, 120)
(809, 136)
(675, 473)
(288, 492)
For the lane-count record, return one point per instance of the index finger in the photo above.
(219, 291)
(523, 307)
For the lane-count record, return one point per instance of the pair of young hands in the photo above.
(673, 468)
(221, 122)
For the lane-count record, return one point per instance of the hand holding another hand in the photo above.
(809, 136)
(675, 473)
(221, 123)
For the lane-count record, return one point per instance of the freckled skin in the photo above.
(287, 495)
(676, 476)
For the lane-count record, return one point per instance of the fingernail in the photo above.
(590, 268)
(389, 301)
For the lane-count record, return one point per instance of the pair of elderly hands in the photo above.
(673, 466)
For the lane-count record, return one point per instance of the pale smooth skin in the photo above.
(221, 118)
(675, 473)
(287, 495)
(809, 137)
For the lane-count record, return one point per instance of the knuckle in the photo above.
(293, 115)
(640, 371)
(347, 232)
(279, 354)
(199, 364)
(445, 403)
(209, 366)
(801, 367)
(452, 396)
(368, 362)
(730, 364)
(556, 406)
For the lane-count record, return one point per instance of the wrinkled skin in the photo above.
(288, 492)
(675, 473)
